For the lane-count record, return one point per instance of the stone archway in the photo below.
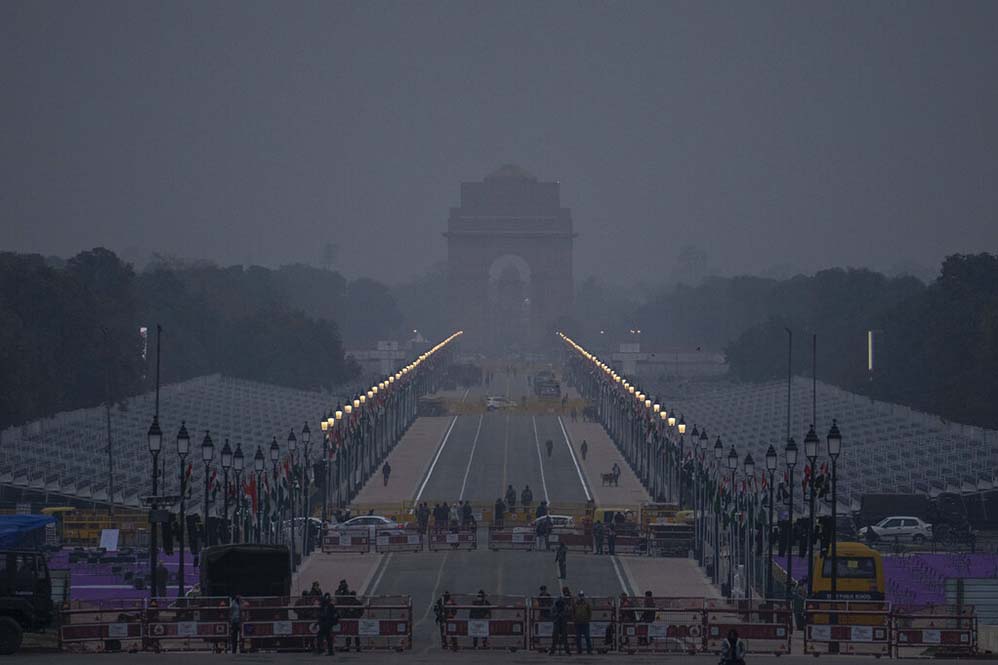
(509, 302)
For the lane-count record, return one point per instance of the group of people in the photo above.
(444, 609)
(445, 516)
(562, 610)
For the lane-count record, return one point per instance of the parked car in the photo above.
(371, 522)
(557, 522)
(901, 528)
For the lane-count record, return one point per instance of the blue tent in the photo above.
(15, 530)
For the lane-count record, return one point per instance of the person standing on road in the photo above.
(585, 449)
(549, 444)
(560, 558)
(526, 498)
(475, 613)
(598, 535)
(386, 470)
(559, 627)
(328, 617)
(611, 539)
(440, 615)
(583, 615)
(542, 510)
(498, 512)
(235, 622)
(511, 498)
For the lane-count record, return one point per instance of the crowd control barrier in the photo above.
(462, 539)
(602, 627)
(510, 539)
(765, 625)
(348, 540)
(576, 540)
(109, 625)
(398, 540)
(497, 623)
(944, 629)
(847, 626)
(187, 624)
(377, 622)
(631, 542)
(661, 625)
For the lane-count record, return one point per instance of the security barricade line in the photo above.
(186, 624)
(848, 627)
(349, 540)
(114, 625)
(395, 540)
(943, 630)
(477, 622)
(602, 625)
(576, 540)
(462, 539)
(511, 539)
(765, 625)
(661, 625)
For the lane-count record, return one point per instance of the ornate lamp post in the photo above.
(771, 468)
(258, 466)
(183, 448)
(732, 532)
(226, 530)
(811, 453)
(790, 455)
(275, 457)
(292, 483)
(834, 448)
(718, 454)
(306, 439)
(749, 467)
(681, 427)
(237, 463)
(207, 453)
(155, 440)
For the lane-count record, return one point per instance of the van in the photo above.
(860, 573)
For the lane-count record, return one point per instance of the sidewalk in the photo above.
(409, 461)
(602, 454)
(667, 577)
(329, 569)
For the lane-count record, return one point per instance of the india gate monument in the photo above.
(509, 260)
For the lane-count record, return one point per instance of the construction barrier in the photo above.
(110, 625)
(374, 622)
(602, 627)
(462, 539)
(942, 630)
(280, 623)
(187, 624)
(847, 626)
(765, 625)
(398, 540)
(510, 539)
(489, 623)
(347, 540)
(661, 625)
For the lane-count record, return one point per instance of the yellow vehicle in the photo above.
(60, 513)
(860, 573)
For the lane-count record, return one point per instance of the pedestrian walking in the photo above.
(386, 470)
(559, 627)
(585, 449)
(560, 557)
(511, 498)
(583, 615)
(498, 512)
(549, 444)
(611, 539)
(235, 622)
(542, 509)
(328, 618)
(598, 536)
(440, 616)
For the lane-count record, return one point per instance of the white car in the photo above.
(497, 402)
(557, 522)
(902, 528)
(371, 522)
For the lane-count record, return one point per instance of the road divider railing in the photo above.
(602, 626)
(765, 625)
(476, 622)
(186, 624)
(942, 630)
(452, 539)
(398, 540)
(338, 541)
(99, 626)
(855, 627)
(661, 625)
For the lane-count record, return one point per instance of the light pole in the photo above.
(732, 532)
(292, 448)
(771, 467)
(718, 453)
(339, 461)
(275, 456)
(306, 438)
(675, 461)
(207, 453)
(237, 521)
(183, 448)
(811, 453)
(834, 448)
(749, 466)
(682, 457)
(790, 455)
(327, 433)
(226, 529)
(258, 466)
(155, 440)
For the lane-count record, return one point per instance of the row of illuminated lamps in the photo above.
(627, 386)
(382, 386)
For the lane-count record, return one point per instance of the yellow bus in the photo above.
(860, 574)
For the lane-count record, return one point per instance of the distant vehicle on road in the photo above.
(557, 522)
(498, 402)
(247, 570)
(370, 522)
(901, 528)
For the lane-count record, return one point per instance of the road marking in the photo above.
(578, 470)
(436, 587)
(624, 586)
(429, 472)
(377, 580)
(540, 459)
(471, 457)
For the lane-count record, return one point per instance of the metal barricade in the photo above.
(602, 626)
(765, 625)
(497, 623)
(461, 539)
(937, 630)
(847, 626)
(109, 625)
(374, 622)
(631, 542)
(280, 623)
(187, 624)
(398, 540)
(661, 625)
(347, 540)
(511, 539)
(577, 540)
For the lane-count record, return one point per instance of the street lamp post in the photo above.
(306, 439)
(258, 466)
(682, 457)
(207, 453)
(327, 433)
(237, 463)
(749, 466)
(183, 448)
(834, 448)
(275, 456)
(718, 453)
(771, 467)
(811, 453)
(790, 455)
(292, 448)
(226, 529)
(733, 531)
(155, 439)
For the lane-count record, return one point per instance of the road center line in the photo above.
(620, 577)
(540, 460)
(471, 457)
(578, 470)
(429, 472)
(372, 590)
(436, 588)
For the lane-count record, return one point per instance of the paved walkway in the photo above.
(329, 569)
(667, 577)
(600, 458)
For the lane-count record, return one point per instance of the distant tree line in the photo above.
(69, 330)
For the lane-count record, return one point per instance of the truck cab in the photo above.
(25, 596)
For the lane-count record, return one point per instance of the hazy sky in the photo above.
(807, 133)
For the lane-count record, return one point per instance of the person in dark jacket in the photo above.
(498, 512)
(560, 558)
(559, 627)
(611, 539)
(328, 618)
(440, 615)
(482, 602)
(386, 470)
(511, 498)
(526, 498)
(598, 536)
